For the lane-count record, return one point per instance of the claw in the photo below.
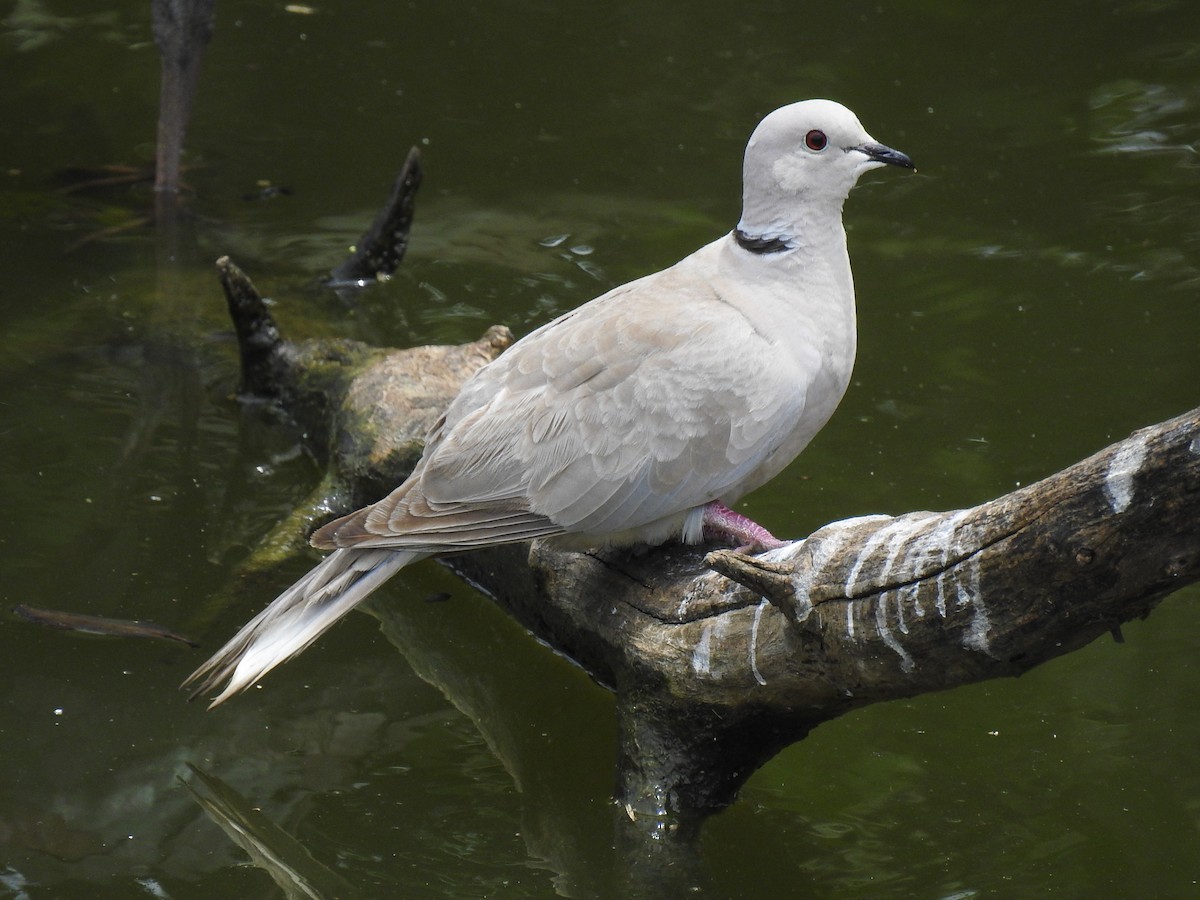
(723, 524)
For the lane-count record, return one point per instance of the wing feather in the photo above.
(622, 414)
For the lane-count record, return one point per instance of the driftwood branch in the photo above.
(718, 660)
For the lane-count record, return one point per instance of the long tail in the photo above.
(297, 617)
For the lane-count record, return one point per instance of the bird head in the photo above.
(807, 154)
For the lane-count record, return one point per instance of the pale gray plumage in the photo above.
(622, 420)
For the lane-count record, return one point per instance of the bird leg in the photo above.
(723, 524)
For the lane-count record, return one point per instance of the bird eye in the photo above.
(815, 140)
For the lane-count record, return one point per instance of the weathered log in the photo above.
(363, 410)
(720, 660)
(715, 671)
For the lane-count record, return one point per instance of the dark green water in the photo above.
(1030, 296)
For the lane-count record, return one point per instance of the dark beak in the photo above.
(886, 155)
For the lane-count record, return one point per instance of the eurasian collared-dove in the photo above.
(638, 417)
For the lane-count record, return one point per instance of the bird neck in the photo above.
(762, 244)
(770, 229)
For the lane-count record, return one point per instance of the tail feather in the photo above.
(297, 617)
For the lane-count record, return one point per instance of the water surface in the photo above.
(1025, 299)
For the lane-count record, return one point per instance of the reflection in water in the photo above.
(120, 808)
(269, 847)
(1134, 117)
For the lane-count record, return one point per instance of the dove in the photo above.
(639, 417)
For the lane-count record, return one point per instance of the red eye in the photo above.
(815, 140)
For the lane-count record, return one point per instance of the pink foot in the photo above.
(723, 524)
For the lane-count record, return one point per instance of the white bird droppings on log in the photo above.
(701, 655)
(758, 612)
(885, 634)
(1118, 483)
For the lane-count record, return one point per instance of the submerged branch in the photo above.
(182, 31)
(382, 247)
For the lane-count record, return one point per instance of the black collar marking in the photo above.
(759, 243)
